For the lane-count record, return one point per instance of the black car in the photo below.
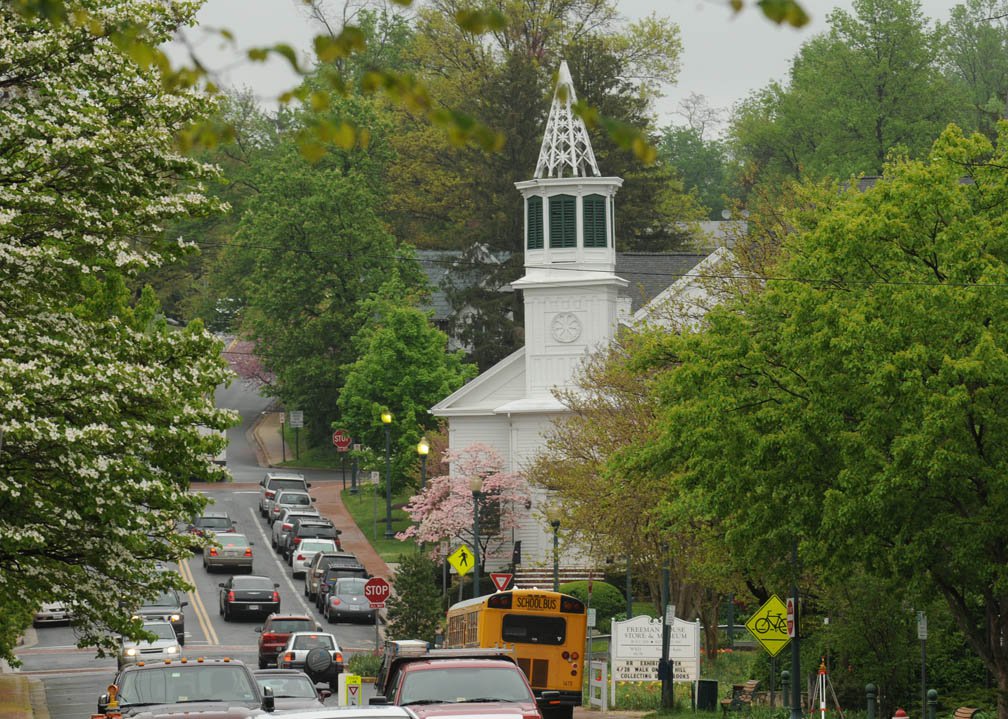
(306, 529)
(334, 572)
(248, 595)
(166, 607)
(182, 688)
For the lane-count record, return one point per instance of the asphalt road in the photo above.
(75, 677)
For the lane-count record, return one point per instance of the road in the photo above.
(75, 677)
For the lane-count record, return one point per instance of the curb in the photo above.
(252, 436)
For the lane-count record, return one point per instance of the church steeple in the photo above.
(565, 146)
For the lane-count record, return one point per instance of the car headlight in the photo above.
(175, 617)
(171, 650)
(131, 652)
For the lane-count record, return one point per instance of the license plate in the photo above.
(253, 607)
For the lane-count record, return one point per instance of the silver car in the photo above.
(165, 646)
(347, 602)
(283, 525)
(228, 551)
(288, 499)
(275, 482)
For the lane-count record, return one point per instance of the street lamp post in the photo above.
(553, 515)
(386, 418)
(423, 449)
(476, 485)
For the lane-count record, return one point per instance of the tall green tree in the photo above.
(414, 610)
(702, 164)
(871, 84)
(402, 365)
(859, 398)
(99, 430)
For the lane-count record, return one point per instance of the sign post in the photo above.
(500, 580)
(296, 423)
(341, 440)
(376, 591)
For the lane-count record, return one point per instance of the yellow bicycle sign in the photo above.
(769, 625)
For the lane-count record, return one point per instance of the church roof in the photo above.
(565, 146)
(649, 273)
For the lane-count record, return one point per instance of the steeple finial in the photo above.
(565, 145)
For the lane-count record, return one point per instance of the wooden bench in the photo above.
(967, 713)
(742, 697)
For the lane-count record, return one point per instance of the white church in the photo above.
(573, 305)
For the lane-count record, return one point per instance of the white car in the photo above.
(275, 482)
(165, 646)
(283, 525)
(325, 665)
(51, 613)
(302, 557)
(288, 498)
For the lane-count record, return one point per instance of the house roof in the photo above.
(650, 273)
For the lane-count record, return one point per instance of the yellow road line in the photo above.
(197, 604)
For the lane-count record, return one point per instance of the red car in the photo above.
(455, 682)
(274, 633)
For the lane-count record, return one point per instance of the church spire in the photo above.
(565, 145)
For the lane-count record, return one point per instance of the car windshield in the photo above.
(213, 523)
(178, 684)
(316, 545)
(165, 599)
(464, 684)
(310, 641)
(252, 583)
(350, 586)
(232, 540)
(163, 630)
(289, 686)
(286, 626)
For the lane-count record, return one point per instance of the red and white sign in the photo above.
(790, 617)
(341, 438)
(501, 580)
(376, 591)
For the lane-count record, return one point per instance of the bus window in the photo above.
(530, 629)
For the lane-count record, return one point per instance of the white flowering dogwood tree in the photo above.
(444, 509)
(101, 402)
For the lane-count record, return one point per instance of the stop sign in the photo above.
(376, 591)
(342, 440)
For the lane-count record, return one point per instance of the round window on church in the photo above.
(566, 327)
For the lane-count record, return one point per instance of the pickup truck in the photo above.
(454, 682)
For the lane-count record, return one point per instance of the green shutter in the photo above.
(563, 221)
(594, 221)
(534, 231)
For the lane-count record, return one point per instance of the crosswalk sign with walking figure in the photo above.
(462, 559)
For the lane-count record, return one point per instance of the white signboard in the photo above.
(296, 418)
(636, 648)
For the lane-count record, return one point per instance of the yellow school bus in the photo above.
(547, 632)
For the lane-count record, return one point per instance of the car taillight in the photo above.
(297, 541)
(338, 657)
(213, 551)
(248, 551)
(269, 494)
(230, 596)
(533, 715)
(268, 637)
(300, 557)
(336, 601)
(289, 657)
(286, 527)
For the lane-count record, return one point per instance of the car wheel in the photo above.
(181, 639)
(334, 685)
(220, 608)
(227, 613)
(263, 664)
(331, 617)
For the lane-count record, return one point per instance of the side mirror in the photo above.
(183, 603)
(324, 694)
(308, 485)
(251, 544)
(268, 702)
(313, 499)
(276, 585)
(378, 700)
(258, 630)
(318, 627)
(220, 584)
(103, 703)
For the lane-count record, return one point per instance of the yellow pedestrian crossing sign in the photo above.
(769, 625)
(462, 559)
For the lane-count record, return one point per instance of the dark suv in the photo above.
(336, 571)
(309, 528)
(275, 632)
(179, 688)
(166, 607)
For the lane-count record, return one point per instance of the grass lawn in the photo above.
(367, 508)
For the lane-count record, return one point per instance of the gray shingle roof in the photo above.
(651, 272)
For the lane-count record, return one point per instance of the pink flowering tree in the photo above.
(444, 509)
(244, 362)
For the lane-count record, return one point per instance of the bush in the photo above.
(606, 599)
(364, 664)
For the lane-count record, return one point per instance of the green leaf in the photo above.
(784, 11)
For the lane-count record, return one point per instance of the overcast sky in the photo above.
(725, 56)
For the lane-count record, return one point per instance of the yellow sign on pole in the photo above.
(352, 698)
(769, 625)
(462, 559)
